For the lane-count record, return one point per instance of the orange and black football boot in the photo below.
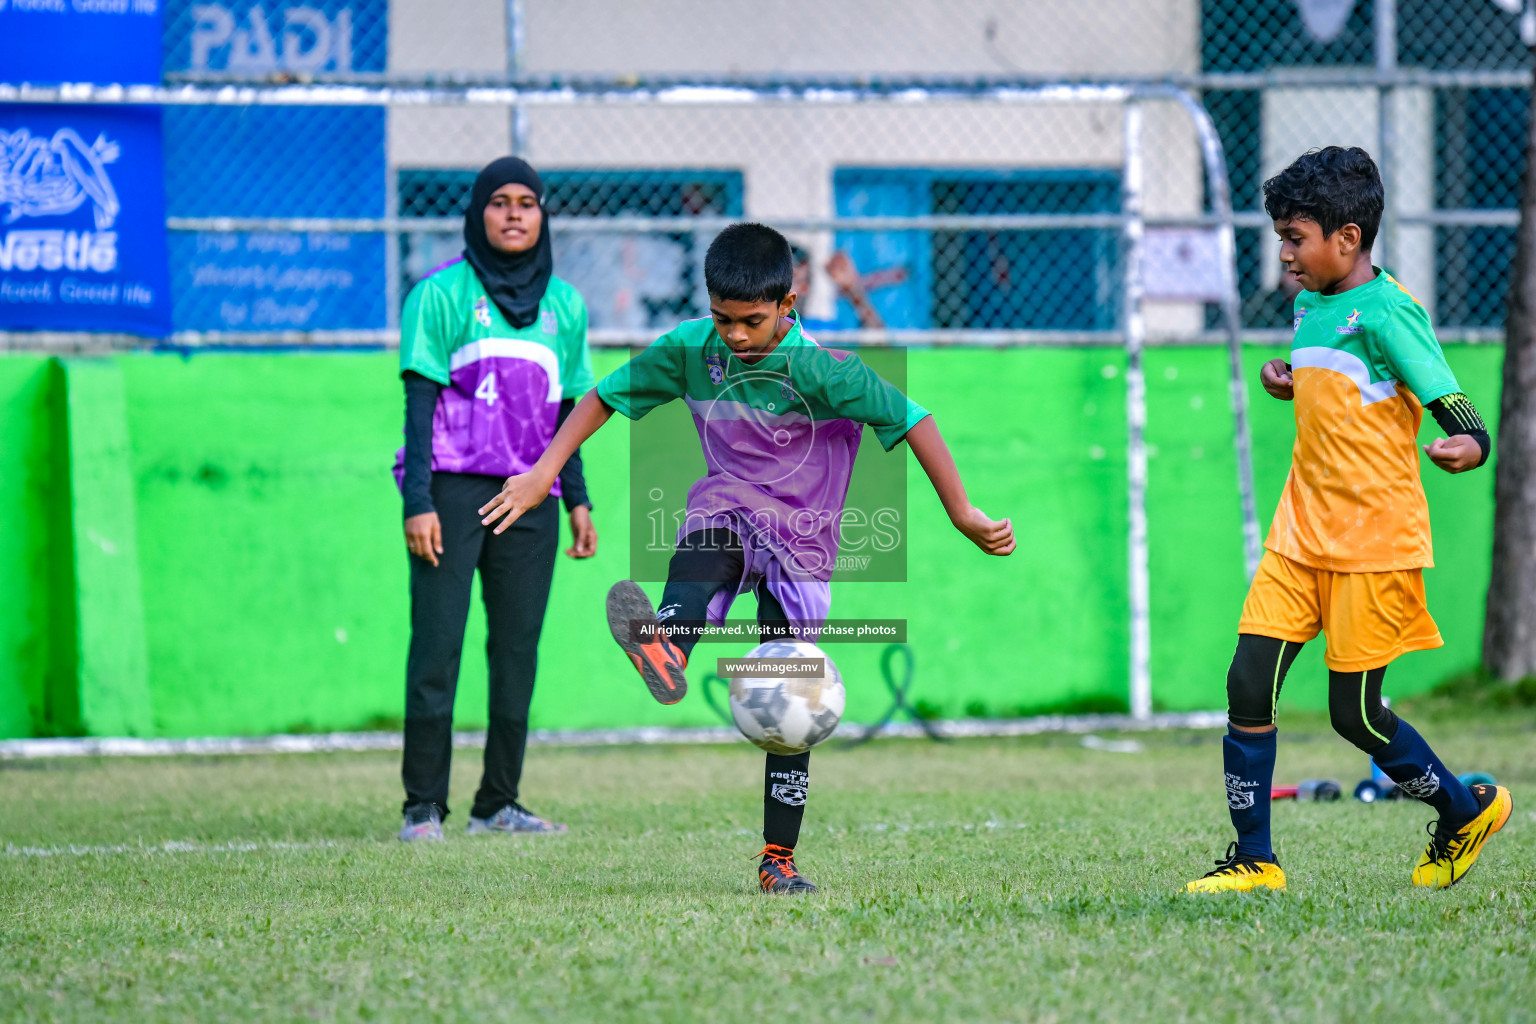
(633, 623)
(777, 872)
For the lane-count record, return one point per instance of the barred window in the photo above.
(983, 279)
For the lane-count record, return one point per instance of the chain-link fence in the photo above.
(887, 139)
(1438, 90)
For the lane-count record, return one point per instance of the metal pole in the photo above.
(514, 73)
(1136, 418)
(1386, 125)
(1231, 320)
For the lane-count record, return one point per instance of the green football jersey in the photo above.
(779, 435)
(502, 385)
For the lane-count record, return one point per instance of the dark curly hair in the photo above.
(1332, 187)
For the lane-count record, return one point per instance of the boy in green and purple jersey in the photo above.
(779, 419)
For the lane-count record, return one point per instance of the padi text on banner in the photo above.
(82, 220)
(278, 162)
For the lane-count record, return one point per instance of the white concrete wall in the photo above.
(957, 37)
(787, 152)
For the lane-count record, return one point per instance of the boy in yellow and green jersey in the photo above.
(1350, 539)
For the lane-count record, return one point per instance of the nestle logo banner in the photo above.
(82, 220)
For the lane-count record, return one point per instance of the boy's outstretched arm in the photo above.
(524, 491)
(993, 537)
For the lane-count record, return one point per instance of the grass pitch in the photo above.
(981, 880)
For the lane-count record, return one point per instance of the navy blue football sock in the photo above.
(1410, 763)
(1249, 761)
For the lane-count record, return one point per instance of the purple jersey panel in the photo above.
(780, 473)
(498, 414)
(805, 601)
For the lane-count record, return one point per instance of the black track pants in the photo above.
(515, 572)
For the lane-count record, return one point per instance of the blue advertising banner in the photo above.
(104, 41)
(306, 36)
(82, 220)
(277, 162)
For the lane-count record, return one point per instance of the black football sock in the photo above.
(705, 562)
(786, 779)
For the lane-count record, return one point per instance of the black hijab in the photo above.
(515, 281)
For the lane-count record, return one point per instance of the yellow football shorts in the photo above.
(1369, 617)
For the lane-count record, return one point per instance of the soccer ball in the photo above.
(788, 714)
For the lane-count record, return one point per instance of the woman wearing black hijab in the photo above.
(493, 352)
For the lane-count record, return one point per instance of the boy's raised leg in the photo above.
(1467, 816)
(705, 562)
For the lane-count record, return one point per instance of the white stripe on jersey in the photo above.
(512, 348)
(1323, 358)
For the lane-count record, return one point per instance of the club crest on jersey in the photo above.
(1351, 324)
(716, 369)
(550, 322)
(1301, 314)
(483, 311)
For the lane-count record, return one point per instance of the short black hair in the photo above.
(749, 263)
(1332, 187)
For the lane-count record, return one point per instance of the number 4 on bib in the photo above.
(487, 389)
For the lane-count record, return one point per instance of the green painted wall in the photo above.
(26, 483)
(272, 574)
(114, 698)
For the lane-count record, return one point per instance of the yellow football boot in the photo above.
(1452, 852)
(1239, 874)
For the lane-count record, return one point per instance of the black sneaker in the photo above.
(777, 872)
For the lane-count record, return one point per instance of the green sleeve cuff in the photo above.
(429, 372)
(889, 438)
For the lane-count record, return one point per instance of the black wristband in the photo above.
(1456, 414)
